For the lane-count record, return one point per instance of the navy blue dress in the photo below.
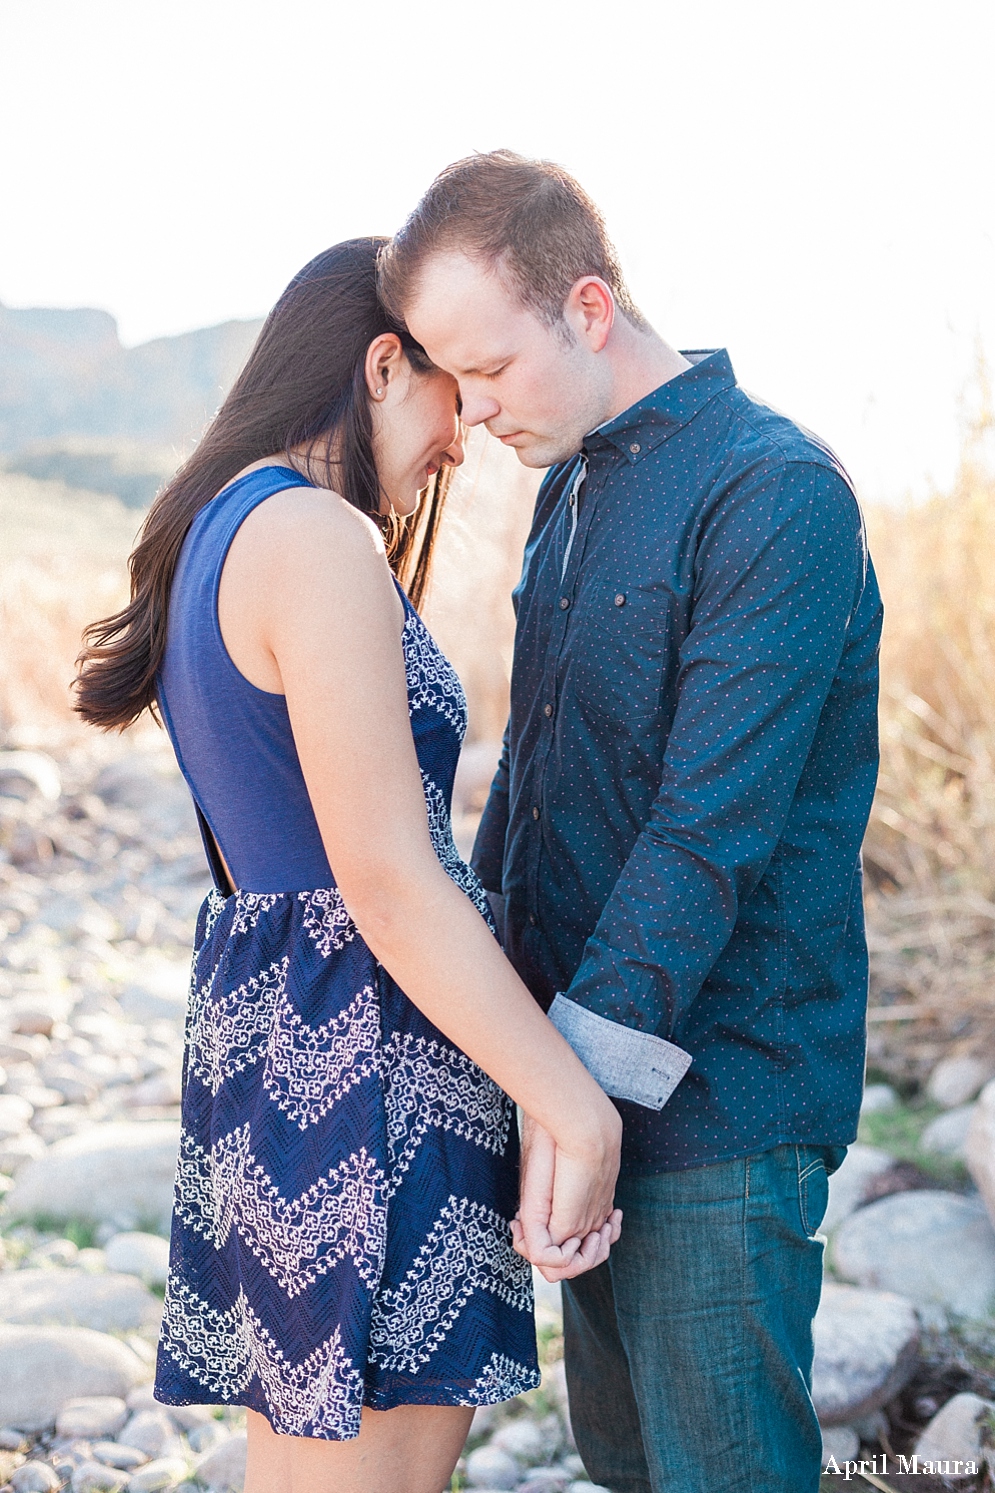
(346, 1175)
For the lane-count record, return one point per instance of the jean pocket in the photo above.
(813, 1187)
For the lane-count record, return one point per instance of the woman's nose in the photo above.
(454, 453)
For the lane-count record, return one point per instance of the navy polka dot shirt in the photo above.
(690, 761)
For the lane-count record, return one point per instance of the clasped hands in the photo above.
(566, 1222)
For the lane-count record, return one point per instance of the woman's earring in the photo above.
(379, 392)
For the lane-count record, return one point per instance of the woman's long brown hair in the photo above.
(304, 382)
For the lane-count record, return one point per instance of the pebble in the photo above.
(120, 1173)
(34, 1477)
(165, 1472)
(954, 1081)
(93, 1415)
(15, 1115)
(947, 1134)
(523, 1440)
(15, 1150)
(936, 1248)
(204, 1438)
(223, 1468)
(54, 1252)
(489, 1467)
(954, 1433)
(78, 1298)
(151, 1431)
(95, 1477)
(850, 1183)
(43, 1367)
(979, 1148)
(878, 1097)
(115, 1454)
(144, 1255)
(866, 1346)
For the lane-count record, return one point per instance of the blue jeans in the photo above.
(689, 1354)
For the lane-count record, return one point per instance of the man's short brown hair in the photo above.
(529, 219)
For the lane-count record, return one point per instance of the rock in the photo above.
(878, 1096)
(158, 993)
(161, 1090)
(523, 1440)
(30, 775)
(165, 1472)
(979, 1148)
(57, 1252)
(39, 1014)
(189, 1417)
(43, 1367)
(115, 1454)
(15, 1115)
(841, 1442)
(119, 1173)
(954, 1433)
(17, 1149)
(223, 1468)
(34, 1477)
(866, 1344)
(95, 1415)
(204, 1438)
(144, 1255)
(78, 1298)
(956, 1080)
(546, 1480)
(850, 1183)
(587, 1488)
(947, 1134)
(936, 1248)
(151, 1431)
(95, 1477)
(490, 1467)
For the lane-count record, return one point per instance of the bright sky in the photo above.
(808, 184)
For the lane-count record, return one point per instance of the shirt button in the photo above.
(635, 448)
(564, 603)
(547, 710)
(620, 599)
(535, 813)
(532, 919)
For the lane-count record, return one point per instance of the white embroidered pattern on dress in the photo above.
(249, 906)
(468, 1249)
(440, 827)
(228, 1034)
(225, 1350)
(214, 906)
(503, 1378)
(296, 1239)
(326, 919)
(432, 680)
(428, 1084)
(309, 1068)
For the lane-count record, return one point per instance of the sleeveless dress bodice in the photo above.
(346, 1178)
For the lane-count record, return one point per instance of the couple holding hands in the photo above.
(669, 857)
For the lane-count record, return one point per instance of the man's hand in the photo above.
(556, 1191)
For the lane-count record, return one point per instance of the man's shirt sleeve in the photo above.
(780, 567)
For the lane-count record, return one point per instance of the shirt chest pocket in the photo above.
(616, 652)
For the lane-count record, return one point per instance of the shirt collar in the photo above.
(651, 420)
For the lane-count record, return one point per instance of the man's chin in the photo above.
(540, 453)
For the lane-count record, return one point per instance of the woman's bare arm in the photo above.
(308, 604)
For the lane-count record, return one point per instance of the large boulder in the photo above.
(936, 1248)
(954, 1433)
(121, 1174)
(866, 1345)
(979, 1147)
(78, 1298)
(43, 1367)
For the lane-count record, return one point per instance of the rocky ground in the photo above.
(101, 873)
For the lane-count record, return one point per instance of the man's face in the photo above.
(537, 388)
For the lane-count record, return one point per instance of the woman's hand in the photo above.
(566, 1222)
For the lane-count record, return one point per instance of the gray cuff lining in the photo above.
(626, 1063)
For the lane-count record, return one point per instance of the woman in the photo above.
(342, 1258)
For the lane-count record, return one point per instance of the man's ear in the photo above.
(383, 362)
(589, 311)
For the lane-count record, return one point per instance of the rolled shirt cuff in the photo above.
(627, 1064)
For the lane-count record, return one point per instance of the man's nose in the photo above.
(477, 407)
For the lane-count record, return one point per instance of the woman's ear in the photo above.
(383, 362)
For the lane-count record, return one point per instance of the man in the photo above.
(676, 822)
